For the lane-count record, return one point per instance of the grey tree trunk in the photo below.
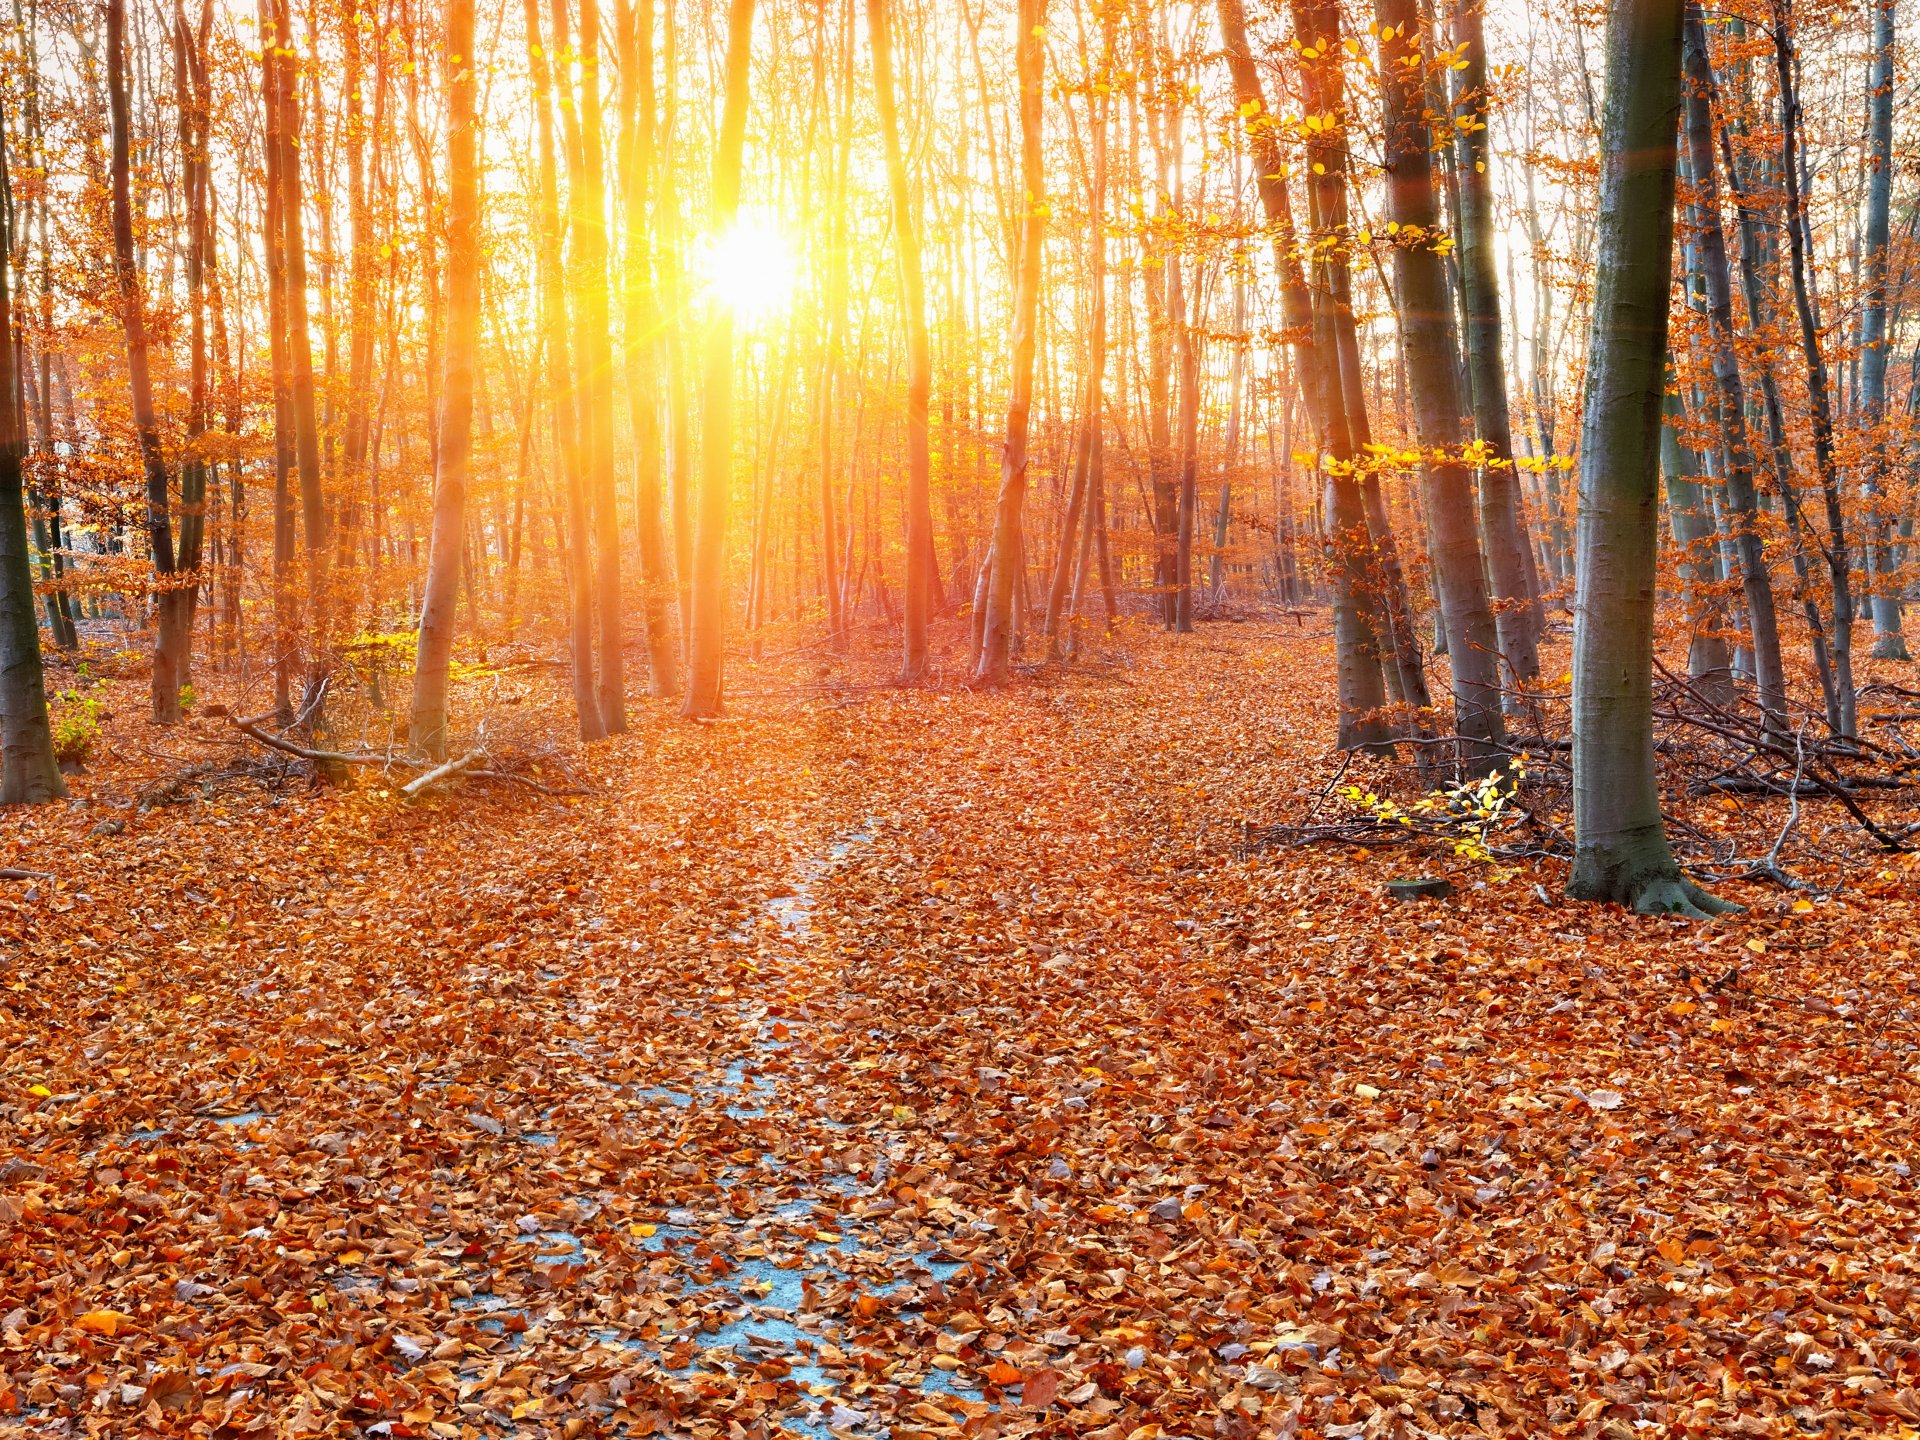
(1473, 642)
(1309, 331)
(1819, 394)
(1875, 342)
(1620, 841)
(1709, 665)
(29, 775)
(1710, 251)
(1502, 518)
(427, 725)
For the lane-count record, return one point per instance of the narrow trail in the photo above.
(929, 1063)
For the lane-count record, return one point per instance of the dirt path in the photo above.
(896, 1062)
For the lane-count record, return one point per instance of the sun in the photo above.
(751, 268)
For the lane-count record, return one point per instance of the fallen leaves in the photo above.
(1029, 1094)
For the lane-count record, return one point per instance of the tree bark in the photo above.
(427, 728)
(146, 425)
(1473, 642)
(29, 774)
(913, 300)
(708, 634)
(1876, 342)
(1620, 842)
(641, 313)
(1710, 248)
(1004, 556)
(1819, 395)
(1308, 330)
(560, 391)
(1502, 519)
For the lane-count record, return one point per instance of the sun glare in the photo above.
(751, 267)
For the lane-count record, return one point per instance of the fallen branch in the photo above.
(9, 873)
(441, 772)
(332, 757)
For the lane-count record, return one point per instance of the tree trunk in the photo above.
(427, 728)
(642, 320)
(1876, 342)
(560, 392)
(1819, 397)
(1710, 249)
(29, 775)
(1620, 842)
(1004, 556)
(306, 424)
(1433, 379)
(167, 650)
(588, 195)
(1709, 666)
(1502, 520)
(913, 299)
(708, 634)
(1309, 330)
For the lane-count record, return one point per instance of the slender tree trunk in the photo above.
(1620, 842)
(1433, 379)
(1819, 397)
(1709, 665)
(306, 424)
(1875, 340)
(167, 656)
(1710, 249)
(634, 23)
(29, 775)
(1004, 557)
(589, 200)
(1187, 348)
(428, 724)
(1502, 519)
(913, 299)
(708, 634)
(560, 392)
(1308, 329)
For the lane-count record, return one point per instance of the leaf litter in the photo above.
(932, 1065)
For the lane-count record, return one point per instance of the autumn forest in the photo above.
(1138, 719)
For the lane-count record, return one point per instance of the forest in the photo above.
(1143, 719)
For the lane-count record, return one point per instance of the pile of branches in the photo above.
(520, 765)
(1829, 787)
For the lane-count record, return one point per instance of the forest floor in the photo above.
(924, 1062)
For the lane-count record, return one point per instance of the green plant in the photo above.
(186, 697)
(76, 726)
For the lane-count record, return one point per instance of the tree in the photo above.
(29, 774)
(168, 656)
(913, 302)
(707, 636)
(1004, 557)
(1502, 523)
(1620, 841)
(1473, 643)
(1875, 341)
(1709, 253)
(1308, 326)
(433, 658)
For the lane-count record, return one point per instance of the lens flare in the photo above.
(751, 268)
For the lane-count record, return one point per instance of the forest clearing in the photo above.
(1137, 719)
